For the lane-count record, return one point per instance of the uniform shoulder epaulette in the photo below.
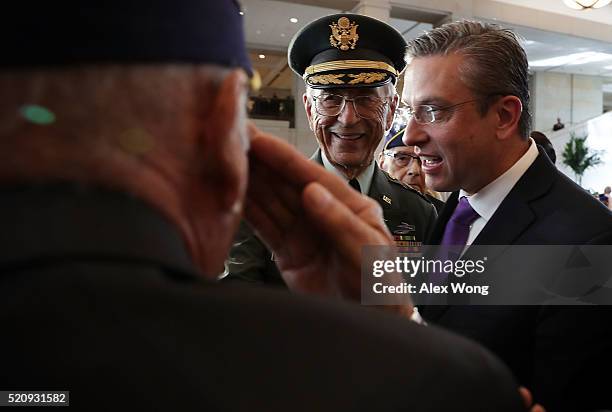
(405, 186)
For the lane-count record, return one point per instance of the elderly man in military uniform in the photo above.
(350, 64)
(401, 163)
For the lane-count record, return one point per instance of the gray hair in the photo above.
(496, 63)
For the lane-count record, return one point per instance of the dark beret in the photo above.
(43, 33)
(347, 50)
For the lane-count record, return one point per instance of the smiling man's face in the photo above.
(349, 139)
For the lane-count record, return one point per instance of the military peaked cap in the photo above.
(347, 50)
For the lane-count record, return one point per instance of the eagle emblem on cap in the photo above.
(344, 34)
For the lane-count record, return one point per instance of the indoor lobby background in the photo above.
(569, 52)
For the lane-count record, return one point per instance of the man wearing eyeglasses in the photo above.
(403, 164)
(466, 94)
(350, 64)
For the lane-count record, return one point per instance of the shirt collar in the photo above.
(486, 201)
(364, 179)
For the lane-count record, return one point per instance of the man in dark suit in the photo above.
(466, 92)
(350, 101)
(123, 178)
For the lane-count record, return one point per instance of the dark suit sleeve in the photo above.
(250, 260)
(573, 354)
(572, 357)
(431, 220)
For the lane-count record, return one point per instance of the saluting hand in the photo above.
(312, 220)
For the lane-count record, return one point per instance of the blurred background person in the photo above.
(605, 197)
(558, 125)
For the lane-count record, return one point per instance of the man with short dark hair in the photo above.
(124, 175)
(467, 95)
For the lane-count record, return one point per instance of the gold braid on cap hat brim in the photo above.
(367, 78)
(349, 65)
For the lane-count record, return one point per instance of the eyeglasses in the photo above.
(402, 159)
(332, 105)
(425, 114)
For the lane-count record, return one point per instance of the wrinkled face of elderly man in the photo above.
(350, 122)
(404, 165)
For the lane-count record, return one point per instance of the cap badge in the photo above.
(344, 34)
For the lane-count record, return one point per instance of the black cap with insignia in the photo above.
(347, 50)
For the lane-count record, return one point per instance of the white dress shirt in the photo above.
(486, 201)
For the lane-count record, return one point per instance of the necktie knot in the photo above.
(458, 227)
(464, 214)
(355, 185)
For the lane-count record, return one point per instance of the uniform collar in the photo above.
(66, 221)
(364, 179)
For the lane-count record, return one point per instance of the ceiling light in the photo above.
(572, 59)
(262, 56)
(241, 13)
(294, 20)
(608, 68)
(586, 4)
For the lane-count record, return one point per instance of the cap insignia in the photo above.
(344, 34)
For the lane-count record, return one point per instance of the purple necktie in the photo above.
(455, 234)
(458, 227)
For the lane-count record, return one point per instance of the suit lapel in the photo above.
(514, 215)
(434, 312)
(438, 231)
(512, 218)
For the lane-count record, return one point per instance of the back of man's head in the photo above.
(541, 139)
(141, 99)
(496, 63)
(101, 68)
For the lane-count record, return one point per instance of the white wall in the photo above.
(551, 98)
(572, 97)
(599, 132)
(587, 97)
